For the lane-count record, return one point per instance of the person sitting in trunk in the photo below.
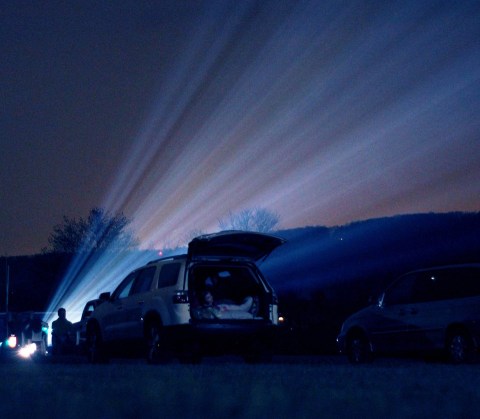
(212, 310)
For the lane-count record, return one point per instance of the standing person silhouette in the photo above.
(61, 333)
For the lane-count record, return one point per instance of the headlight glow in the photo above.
(28, 350)
(12, 341)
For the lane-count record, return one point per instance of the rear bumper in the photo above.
(224, 328)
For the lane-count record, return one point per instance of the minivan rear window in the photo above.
(456, 283)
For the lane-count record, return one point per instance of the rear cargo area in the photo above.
(226, 292)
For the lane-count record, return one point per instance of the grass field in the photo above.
(236, 390)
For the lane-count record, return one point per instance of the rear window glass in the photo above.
(169, 275)
(456, 283)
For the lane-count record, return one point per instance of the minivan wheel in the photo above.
(156, 350)
(459, 347)
(358, 349)
(95, 348)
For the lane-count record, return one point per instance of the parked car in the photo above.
(164, 304)
(80, 327)
(9, 342)
(23, 335)
(34, 336)
(425, 310)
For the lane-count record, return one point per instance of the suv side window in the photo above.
(143, 281)
(169, 274)
(123, 289)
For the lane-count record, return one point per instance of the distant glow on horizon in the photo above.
(320, 113)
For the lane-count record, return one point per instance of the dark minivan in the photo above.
(425, 310)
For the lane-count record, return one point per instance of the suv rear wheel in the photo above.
(157, 352)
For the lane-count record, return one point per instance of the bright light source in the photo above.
(12, 341)
(28, 350)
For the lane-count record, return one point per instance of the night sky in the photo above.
(177, 112)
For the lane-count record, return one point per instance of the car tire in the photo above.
(358, 349)
(157, 352)
(96, 352)
(459, 347)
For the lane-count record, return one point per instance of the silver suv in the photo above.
(425, 310)
(213, 299)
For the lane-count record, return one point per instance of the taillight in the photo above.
(272, 299)
(180, 297)
(12, 341)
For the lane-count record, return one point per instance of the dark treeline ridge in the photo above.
(321, 274)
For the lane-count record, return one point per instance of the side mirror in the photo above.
(104, 296)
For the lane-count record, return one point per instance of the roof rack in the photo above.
(174, 257)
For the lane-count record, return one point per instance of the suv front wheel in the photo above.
(95, 348)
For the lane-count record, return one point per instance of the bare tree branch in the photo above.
(99, 231)
(250, 219)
